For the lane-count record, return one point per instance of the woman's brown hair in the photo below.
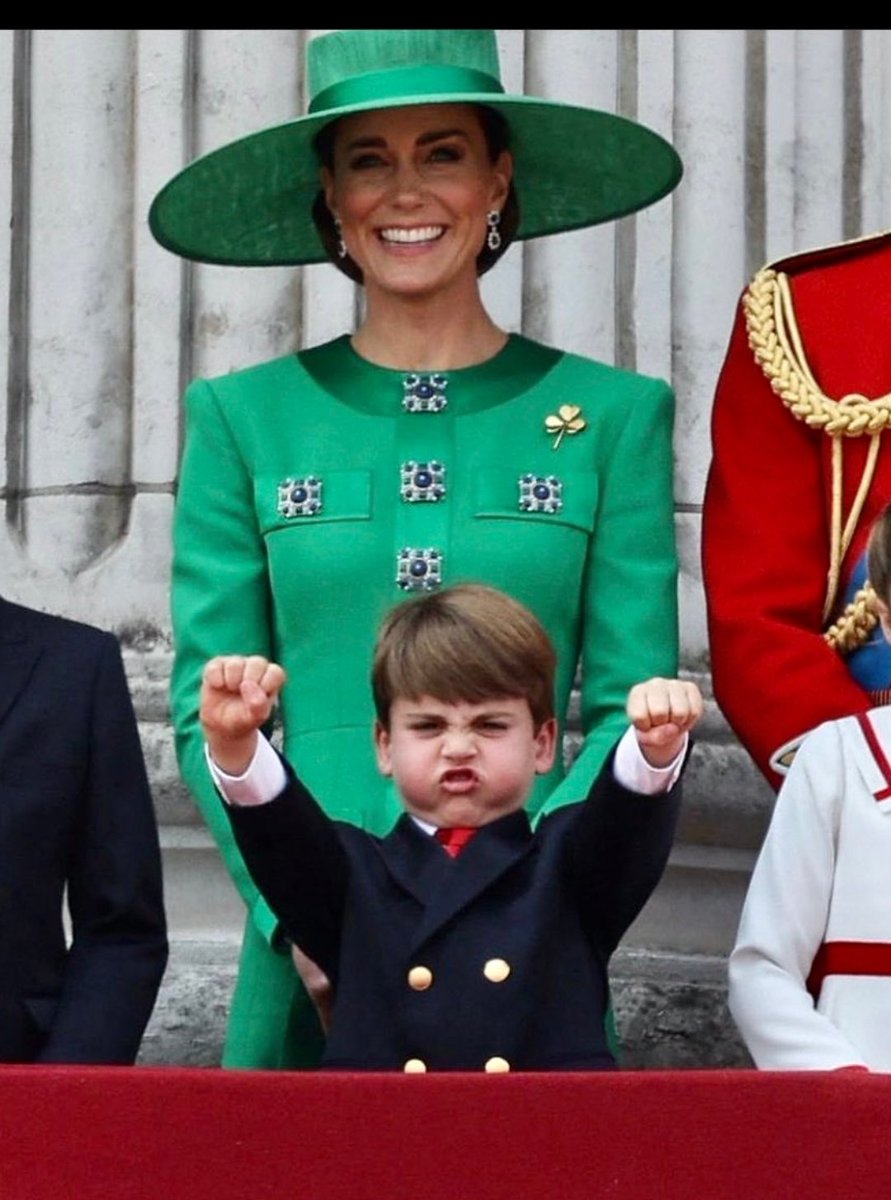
(878, 556)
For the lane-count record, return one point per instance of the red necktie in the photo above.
(454, 840)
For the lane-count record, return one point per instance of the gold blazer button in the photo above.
(496, 1065)
(420, 978)
(496, 970)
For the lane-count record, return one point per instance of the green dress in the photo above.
(318, 490)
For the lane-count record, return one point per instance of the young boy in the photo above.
(496, 959)
(810, 974)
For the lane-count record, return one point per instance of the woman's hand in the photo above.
(317, 984)
(663, 711)
(238, 694)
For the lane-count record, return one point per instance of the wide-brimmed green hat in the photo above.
(249, 203)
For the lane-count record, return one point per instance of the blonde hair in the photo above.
(469, 642)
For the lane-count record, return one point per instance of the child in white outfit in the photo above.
(810, 974)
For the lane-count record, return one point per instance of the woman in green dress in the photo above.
(426, 448)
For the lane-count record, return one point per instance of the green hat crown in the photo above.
(249, 203)
(357, 66)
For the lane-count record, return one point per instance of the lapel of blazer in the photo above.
(444, 885)
(18, 654)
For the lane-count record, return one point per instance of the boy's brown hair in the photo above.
(469, 642)
(878, 555)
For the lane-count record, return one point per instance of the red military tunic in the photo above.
(783, 445)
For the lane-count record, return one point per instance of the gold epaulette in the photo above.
(776, 344)
(775, 341)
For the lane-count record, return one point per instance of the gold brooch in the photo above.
(567, 419)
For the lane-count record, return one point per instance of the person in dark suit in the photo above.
(77, 827)
(496, 960)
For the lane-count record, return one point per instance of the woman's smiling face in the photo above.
(411, 188)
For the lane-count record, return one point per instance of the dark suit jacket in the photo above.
(76, 814)
(549, 905)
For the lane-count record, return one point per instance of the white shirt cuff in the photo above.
(632, 770)
(262, 781)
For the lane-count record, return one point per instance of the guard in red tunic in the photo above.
(801, 468)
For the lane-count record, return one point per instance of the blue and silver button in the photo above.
(300, 496)
(419, 570)
(540, 493)
(424, 393)
(422, 481)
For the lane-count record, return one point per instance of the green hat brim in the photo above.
(249, 202)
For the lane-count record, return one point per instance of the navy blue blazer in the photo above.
(76, 814)
(495, 960)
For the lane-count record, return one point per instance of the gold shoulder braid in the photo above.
(855, 623)
(776, 343)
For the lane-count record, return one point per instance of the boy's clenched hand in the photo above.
(238, 694)
(662, 711)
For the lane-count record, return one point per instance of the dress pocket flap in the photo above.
(311, 498)
(561, 497)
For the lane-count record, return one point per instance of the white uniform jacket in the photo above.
(822, 886)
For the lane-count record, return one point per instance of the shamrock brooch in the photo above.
(567, 419)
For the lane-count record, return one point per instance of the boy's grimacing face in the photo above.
(465, 763)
